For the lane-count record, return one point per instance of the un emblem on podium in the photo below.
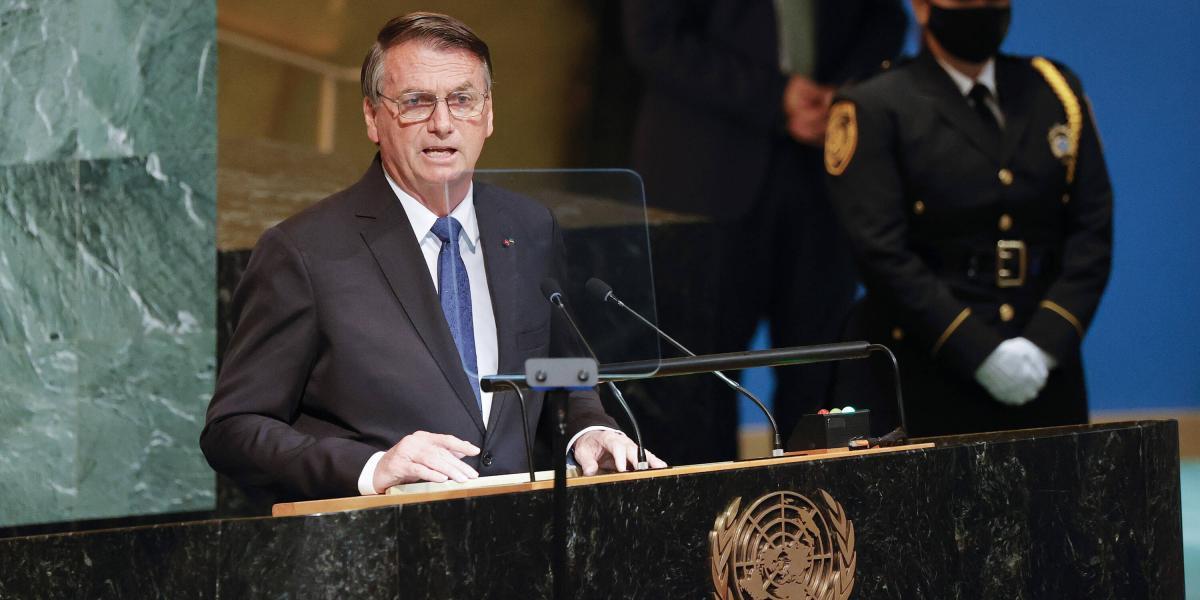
(783, 547)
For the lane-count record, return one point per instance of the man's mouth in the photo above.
(439, 151)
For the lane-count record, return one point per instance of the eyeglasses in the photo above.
(418, 106)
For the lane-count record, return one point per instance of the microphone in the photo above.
(604, 293)
(553, 292)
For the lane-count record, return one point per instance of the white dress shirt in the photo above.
(987, 78)
(483, 318)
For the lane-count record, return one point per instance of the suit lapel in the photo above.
(951, 104)
(504, 279)
(389, 237)
(1015, 101)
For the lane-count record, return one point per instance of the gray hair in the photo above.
(441, 32)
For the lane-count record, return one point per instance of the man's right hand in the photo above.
(424, 456)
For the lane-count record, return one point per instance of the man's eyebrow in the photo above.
(462, 87)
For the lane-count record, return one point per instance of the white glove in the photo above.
(1015, 371)
(1032, 349)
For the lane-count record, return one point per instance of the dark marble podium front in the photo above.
(1079, 512)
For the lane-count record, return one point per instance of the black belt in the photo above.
(1009, 264)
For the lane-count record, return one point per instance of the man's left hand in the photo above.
(611, 451)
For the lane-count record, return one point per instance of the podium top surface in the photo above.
(313, 507)
(471, 489)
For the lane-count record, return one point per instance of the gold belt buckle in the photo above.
(1011, 263)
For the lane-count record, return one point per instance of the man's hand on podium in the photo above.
(611, 451)
(424, 456)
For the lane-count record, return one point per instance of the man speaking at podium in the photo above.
(364, 322)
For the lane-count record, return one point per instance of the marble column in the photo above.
(107, 256)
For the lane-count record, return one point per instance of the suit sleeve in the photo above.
(1067, 309)
(667, 43)
(248, 433)
(879, 37)
(868, 197)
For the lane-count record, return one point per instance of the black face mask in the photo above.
(972, 34)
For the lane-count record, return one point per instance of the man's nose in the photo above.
(440, 122)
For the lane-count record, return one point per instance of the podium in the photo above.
(1074, 512)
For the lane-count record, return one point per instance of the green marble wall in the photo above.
(107, 257)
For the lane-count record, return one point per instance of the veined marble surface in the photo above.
(106, 78)
(39, 80)
(107, 256)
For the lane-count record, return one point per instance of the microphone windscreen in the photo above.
(598, 289)
(550, 287)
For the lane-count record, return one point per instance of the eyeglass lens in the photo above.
(420, 105)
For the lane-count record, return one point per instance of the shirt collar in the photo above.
(987, 77)
(422, 219)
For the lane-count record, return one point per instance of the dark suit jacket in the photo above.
(341, 347)
(926, 198)
(713, 110)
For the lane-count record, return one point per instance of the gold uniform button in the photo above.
(1006, 222)
(919, 207)
(885, 65)
(1066, 198)
(1007, 313)
(1006, 176)
(897, 334)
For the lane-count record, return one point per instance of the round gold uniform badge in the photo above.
(1060, 141)
(841, 137)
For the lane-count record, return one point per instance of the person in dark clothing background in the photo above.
(730, 127)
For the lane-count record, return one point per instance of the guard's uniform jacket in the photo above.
(966, 238)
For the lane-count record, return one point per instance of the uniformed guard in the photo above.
(974, 189)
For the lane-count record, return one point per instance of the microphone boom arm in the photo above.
(777, 448)
(733, 361)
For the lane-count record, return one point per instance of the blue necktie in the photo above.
(454, 290)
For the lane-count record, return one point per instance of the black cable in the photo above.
(637, 432)
(896, 380)
(525, 429)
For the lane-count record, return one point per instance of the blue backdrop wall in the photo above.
(1140, 65)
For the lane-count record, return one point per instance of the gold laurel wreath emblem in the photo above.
(841, 137)
(720, 543)
(743, 543)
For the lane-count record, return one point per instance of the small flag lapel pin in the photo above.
(509, 242)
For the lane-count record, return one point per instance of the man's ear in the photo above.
(490, 112)
(369, 116)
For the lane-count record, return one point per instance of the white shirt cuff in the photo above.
(366, 479)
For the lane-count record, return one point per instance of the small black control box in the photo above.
(832, 430)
